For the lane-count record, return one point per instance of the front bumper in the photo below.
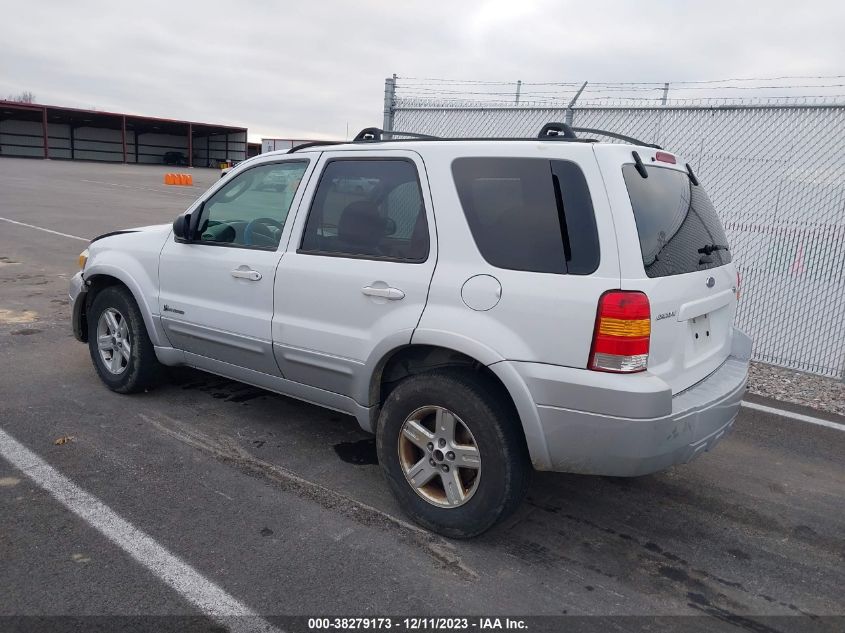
(78, 293)
(600, 442)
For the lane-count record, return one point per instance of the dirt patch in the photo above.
(14, 317)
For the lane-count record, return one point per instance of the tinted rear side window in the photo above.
(529, 213)
(368, 208)
(678, 227)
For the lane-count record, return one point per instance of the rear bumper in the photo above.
(78, 294)
(600, 441)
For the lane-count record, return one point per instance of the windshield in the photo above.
(678, 227)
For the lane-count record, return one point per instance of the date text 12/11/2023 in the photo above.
(416, 624)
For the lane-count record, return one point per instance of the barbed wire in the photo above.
(457, 103)
(619, 83)
(468, 92)
(632, 88)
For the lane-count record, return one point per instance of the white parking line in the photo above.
(41, 228)
(795, 416)
(213, 601)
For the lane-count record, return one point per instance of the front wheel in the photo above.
(120, 348)
(452, 451)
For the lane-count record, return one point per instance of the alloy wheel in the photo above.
(113, 342)
(439, 456)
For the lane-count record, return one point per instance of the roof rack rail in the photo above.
(621, 137)
(552, 131)
(369, 134)
(556, 131)
(377, 134)
(296, 148)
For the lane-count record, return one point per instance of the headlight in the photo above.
(83, 259)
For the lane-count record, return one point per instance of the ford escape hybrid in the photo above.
(485, 307)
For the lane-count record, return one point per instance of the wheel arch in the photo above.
(104, 277)
(413, 358)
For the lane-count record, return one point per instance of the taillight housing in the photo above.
(622, 333)
(737, 285)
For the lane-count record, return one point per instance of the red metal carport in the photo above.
(57, 132)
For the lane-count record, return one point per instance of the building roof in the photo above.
(102, 118)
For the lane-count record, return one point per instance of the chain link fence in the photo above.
(774, 171)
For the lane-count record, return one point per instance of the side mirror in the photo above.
(182, 228)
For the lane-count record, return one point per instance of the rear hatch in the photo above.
(673, 247)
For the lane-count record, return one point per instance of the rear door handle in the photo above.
(391, 294)
(246, 273)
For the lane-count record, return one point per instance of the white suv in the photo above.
(482, 306)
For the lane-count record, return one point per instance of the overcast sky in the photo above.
(307, 69)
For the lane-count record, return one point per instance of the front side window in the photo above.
(368, 208)
(250, 210)
(529, 214)
(678, 227)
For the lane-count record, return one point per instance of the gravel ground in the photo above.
(788, 385)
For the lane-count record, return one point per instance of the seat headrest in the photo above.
(361, 225)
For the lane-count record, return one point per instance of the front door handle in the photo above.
(391, 294)
(246, 273)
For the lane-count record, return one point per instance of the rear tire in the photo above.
(120, 348)
(438, 479)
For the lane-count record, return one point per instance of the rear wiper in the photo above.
(691, 175)
(638, 165)
(708, 249)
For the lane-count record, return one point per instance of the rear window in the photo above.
(678, 227)
(529, 213)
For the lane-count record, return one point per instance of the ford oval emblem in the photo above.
(711, 282)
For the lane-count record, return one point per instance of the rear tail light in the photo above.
(621, 336)
(665, 157)
(737, 285)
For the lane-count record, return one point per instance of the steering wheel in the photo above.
(257, 231)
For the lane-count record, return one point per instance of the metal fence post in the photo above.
(570, 109)
(389, 103)
(518, 89)
(665, 93)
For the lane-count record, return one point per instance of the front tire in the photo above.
(451, 449)
(120, 348)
